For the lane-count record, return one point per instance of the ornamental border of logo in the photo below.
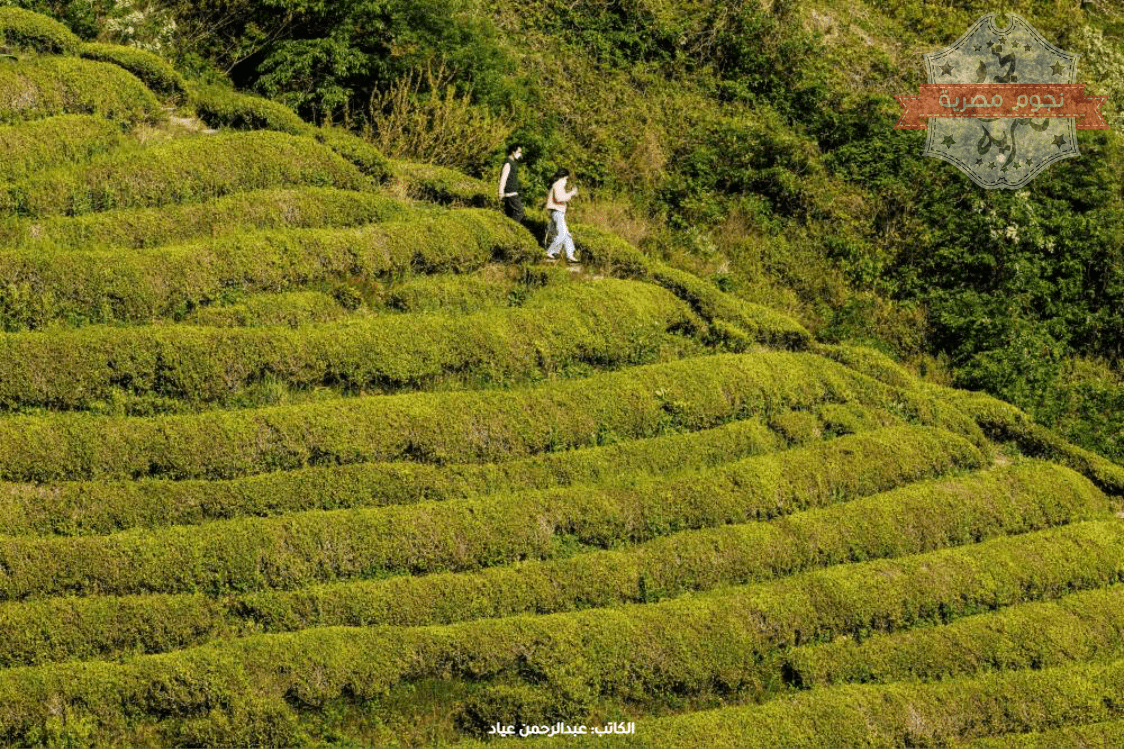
(1004, 133)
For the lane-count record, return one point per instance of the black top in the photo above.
(512, 184)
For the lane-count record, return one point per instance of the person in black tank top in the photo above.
(509, 192)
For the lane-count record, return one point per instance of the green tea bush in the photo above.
(297, 550)
(1105, 733)
(33, 147)
(156, 73)
(303, 207)
(99, 507)
(461, 293)
(219, 107)
(47, 86)
(894, 715)
(308, 668)
(606, 323)
(725, 636)
(736, 324)
(115, 286)
(820, 604)
(951, 512)
(1002, 421)
(25, 30)
(438, 184)
(357, 150)
(182, 171)
(291, 309)
(1084, 626)
(482, 426)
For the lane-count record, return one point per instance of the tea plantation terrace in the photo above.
(302, 445)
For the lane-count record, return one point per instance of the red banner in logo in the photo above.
(1002, 100)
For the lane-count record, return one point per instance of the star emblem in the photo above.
(1057, 67)
(948, 141)
(1026, 47)
(1059, 141)
(977, 48)
(991, 165)
(946, 69)
(979, 161)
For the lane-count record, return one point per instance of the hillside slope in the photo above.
(305, 446)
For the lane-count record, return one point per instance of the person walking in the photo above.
(509, 184)
(556, 201)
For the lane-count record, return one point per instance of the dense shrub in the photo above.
(737, 619)
(157, 73)
(22, 29)
(462, 293)
(111, 286)
(297, 550)
(1104, 733)
(479, 426)
(1084, 626)
(358, 151)
(895, 715)
(820, 604)
(304, 207)
(609, 322)
(308, 668)
(1002, 421)
(33, 147)
(47, 86)
(93, 507)
(181, 171)
(440, 185)
(291, 309)
(223, 107)
(736, 324)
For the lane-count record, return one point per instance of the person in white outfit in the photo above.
(556, 201)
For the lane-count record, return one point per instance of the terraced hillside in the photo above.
(302, 446)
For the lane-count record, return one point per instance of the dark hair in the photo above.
(513, 146)
(560, 173)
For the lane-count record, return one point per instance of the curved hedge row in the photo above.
(23, 29)
(291, 309)
(181, 171)
(464, 293)
(947, 513)
(99, 507)
(304, 207)
(1106, 734)
(892, 715)
(738, 325)
(296, 550)
(607, 322)
(807, 607)
(31, 147)
(1004, 422)
(355, 149)
(220, 107)
(438, 184)
(1083, 626)
(153, 70)
(46, 86)
(111, 286)
(483, 426)
(310, 667)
